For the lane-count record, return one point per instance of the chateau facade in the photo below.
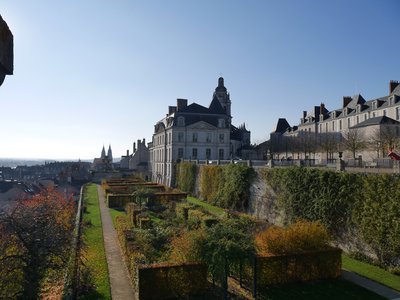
(369, 118)
(195, 132)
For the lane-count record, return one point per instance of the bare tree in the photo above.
(385, 138)
(329, 143)
(354, 141)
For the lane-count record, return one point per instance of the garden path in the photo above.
(377, 288)
(121, 288)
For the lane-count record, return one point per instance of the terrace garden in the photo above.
(189, 248)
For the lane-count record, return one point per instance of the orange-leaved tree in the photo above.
(38, 232)
(302, 236)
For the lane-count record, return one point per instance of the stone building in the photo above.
(104, 162)
(138, 161)
(195, 132)
(370, 119)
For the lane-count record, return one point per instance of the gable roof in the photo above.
(195, 108)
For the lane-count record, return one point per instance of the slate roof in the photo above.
(195, 108)
(282, 125)
(377, 121)
(215, 107)
(396, 91)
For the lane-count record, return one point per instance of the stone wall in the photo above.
(6, 51)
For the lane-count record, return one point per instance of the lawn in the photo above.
(214, 210)
(94, 253)
(372, 272)
(327, 290)
(115, 212)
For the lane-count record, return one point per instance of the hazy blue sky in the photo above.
(92, 72)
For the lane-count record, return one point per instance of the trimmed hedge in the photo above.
(303, 267)
(171, 281)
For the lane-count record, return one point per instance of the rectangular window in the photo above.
(208, 137)
(333, 125)
(384, 112)
(208, 153)
(194, 153)
(180, 137)
(373, 114)
(340, 124)
(221, 137)
(195, 137)
(221, 154)
(397, 113)
(357, 120)
(365, 117)
(348, 122)
(180, 153)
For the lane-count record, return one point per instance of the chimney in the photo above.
(346, 100)
(144, 141)
(134, 147)
(171, 110)
(138, 143)
(322, 108)
(127, 152)
(181, 104)
(304, 114)
(392, 85)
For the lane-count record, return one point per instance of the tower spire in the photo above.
(223, 96)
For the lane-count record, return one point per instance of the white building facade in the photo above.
(194, 132)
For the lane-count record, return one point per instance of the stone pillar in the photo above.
(340, 166)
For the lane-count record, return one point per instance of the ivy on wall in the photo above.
(371, 203)
(186, 176)
(226, 186)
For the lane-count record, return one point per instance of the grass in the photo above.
(372, 272)
(214, 210)
(115, 212)
(94, 252)
(327, 290)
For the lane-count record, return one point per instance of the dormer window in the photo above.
(221, 123)
(374, 104)
(334, 115)
(391, 100)
(358, 108)
(181, 121)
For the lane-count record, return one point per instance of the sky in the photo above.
(95, 72)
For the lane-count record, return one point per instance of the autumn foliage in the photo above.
(35, 240)
(301, 237)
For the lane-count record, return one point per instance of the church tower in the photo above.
(223, 96)
(109, 154)
(103, 153)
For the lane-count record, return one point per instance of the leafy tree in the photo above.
(41, 229)
(186, 247)
(225, 244)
